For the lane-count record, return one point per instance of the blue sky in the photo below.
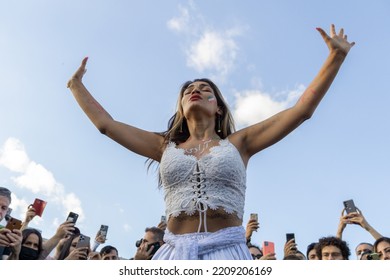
(262, 54)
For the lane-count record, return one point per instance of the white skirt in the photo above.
(225, 244)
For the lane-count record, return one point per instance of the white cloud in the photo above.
(35, 178)
(206, 48)
(253, 106)
(179, 23)
(13, 157)
(213, 51)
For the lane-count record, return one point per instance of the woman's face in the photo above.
(383, 248)
(32, 241)
(200, 96)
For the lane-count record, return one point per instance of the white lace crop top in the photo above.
(216, 180)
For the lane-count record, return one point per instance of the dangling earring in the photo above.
(181, 127)
(219, 124)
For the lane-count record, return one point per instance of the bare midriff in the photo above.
(215, 220)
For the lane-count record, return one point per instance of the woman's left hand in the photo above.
(336, 42)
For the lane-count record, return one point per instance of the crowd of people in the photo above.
(27, 242)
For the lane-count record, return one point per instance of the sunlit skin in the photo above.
(383, 248)
(331, 253)
(111, 256)
(4, 204)
(312, 255)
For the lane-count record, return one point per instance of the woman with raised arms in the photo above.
(202, 159)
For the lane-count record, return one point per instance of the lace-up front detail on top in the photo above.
(216, 180)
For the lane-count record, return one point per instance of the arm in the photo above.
(142, 142)
(63, 230)
(30, 214)
(264, 134)
(342, 224)
(359, 219)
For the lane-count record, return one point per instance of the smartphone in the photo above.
(350, 206)
(254, 216)
(155, 245)
(103, 231)
(39, 205)
(163, 219)
(373, 256)
(268, 247)
(72, 217)
(290, 236)
(84, 241)
(13, 223)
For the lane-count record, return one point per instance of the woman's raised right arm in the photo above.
(142, 142)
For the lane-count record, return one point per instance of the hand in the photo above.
(65, 229)
(336, 41)
(142, 252)
(290, 248)
(94, 256)
(251, 226)
(30, 214)
(100, 238)
(78, 75)
(78, 254)
(270, 256)
(358, 219)
(11, 239)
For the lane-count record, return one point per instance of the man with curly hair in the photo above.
(332, 248)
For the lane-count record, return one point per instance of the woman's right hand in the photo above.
(78, 75)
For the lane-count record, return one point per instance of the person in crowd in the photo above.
(151, 242)
(311, 253)
(332, 248)
(30, 246)
(202, 159)
(9, 240)
(362, 249)
(69, 249)
(255, 251)
(5, 201)
(382, 247)
(109, 252)
(355, 218)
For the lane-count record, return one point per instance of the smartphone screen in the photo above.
(254, 216)
(349, 206)
(103, 230)
(72, 217)
(39, 205)
(268, 247)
